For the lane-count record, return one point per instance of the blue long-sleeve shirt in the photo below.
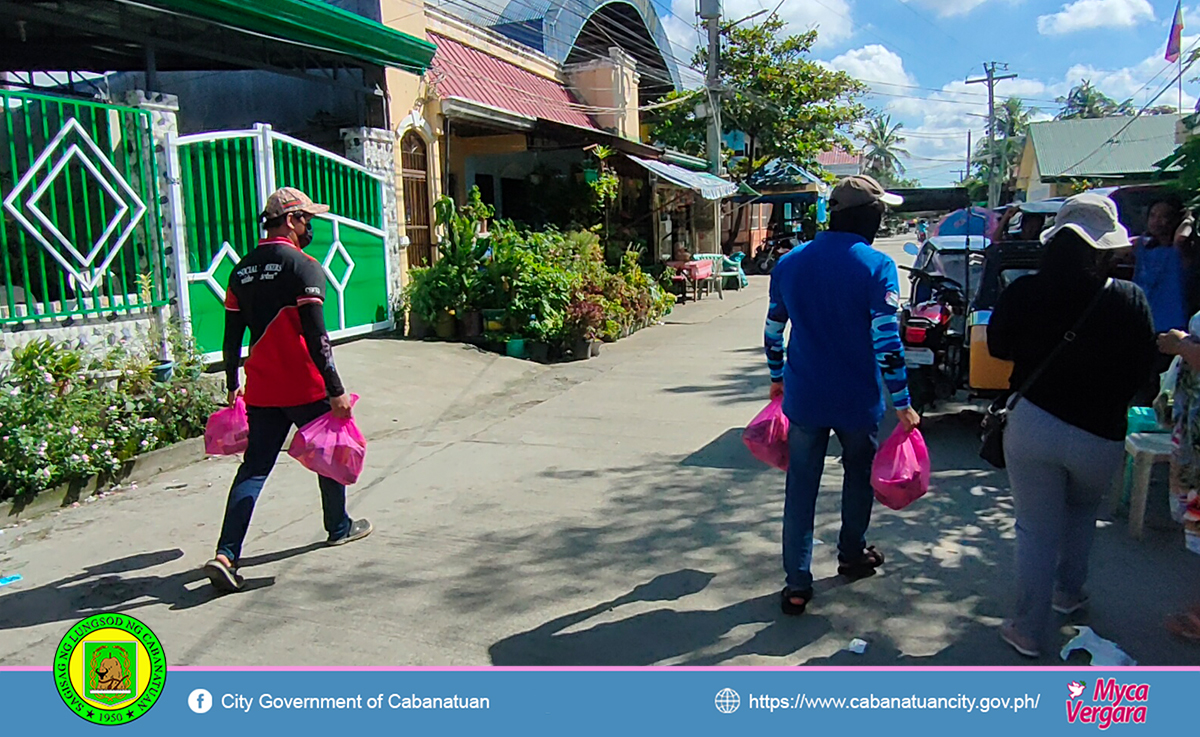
(842, 298)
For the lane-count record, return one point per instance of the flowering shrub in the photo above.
(583, 320)
(59, 424)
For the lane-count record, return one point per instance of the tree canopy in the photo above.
(883, 147)
(1086, 101)
(789, 106)
(1012, 125)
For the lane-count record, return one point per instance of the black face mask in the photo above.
(306, 238)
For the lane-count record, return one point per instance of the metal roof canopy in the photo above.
(708, 186)
(306, 38)
(1108, 148)
(931, 199)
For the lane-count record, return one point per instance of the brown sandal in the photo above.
(863, 567)
(1185, 625)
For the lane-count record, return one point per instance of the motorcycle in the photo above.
(770, 252)
(934, 336)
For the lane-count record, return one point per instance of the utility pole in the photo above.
(991, 79)
(969, 154)
(710, 13)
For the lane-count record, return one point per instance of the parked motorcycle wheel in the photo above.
(766, 265)
(920, 390)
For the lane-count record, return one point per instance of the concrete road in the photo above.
(603, 512)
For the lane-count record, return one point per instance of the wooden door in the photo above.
(414, 162)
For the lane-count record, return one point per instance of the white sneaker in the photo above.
(1064, 604)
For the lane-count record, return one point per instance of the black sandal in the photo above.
(795, 610)
(863, 567)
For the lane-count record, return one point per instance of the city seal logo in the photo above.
(110, 669)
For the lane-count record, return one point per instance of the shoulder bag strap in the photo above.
(1068, 338)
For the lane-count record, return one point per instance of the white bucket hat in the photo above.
(1093, 218)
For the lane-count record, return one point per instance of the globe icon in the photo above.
(728, 701)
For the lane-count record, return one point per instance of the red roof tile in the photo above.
(477, 76)
(837, 157)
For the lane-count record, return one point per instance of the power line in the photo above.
(1112, 140)
(866, 28)
(909, 7)
(632, 42)
(607, 26)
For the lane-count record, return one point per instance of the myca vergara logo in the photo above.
(110, 669)
(1112, 703)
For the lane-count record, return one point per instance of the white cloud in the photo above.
(833, 23)
(1141, 81)
(875, 64)
(831, 18)
(1083, 15)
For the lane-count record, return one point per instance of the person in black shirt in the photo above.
(1065, 439)
(277, 292)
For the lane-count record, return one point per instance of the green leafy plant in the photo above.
(58, 424)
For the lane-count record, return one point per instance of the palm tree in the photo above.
(882, 147)
(1085, 101)
(1013, 118)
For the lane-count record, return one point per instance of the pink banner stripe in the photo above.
(641, 669)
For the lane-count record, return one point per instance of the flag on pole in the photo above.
(1175, 41)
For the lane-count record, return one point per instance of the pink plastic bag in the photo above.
(331, 447)
(900, 473)
(767, 436)
(227, 431)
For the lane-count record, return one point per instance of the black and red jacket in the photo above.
(278, 292)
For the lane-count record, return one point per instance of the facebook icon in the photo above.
(200, 701)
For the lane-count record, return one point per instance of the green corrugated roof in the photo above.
(314, 23)
(1100, 148)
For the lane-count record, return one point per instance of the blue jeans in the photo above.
(806, 464)
(269, 427)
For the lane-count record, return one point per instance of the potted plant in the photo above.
(163, 365)
(446, 327)
(418, 328)
(582, 324)
(470, 326)
(417, 303)
(515, 347)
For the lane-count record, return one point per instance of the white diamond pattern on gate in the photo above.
(79, 262)
(339, 285)
(209, 277)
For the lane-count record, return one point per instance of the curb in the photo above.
(144, 466)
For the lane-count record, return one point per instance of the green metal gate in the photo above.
(81, 233)
(221, 183)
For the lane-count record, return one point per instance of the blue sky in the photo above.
(916, 54)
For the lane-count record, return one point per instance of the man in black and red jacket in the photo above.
(278, 292)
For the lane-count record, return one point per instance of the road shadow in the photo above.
(124, 585)
(939, 599)
(731, 387)
(638, 639)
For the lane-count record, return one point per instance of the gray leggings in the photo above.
(1059, 476)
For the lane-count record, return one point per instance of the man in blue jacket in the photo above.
(841, 297)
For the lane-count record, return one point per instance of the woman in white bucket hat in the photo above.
(1064, 441)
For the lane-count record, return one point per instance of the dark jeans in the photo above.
(806, 464)
(269, 427)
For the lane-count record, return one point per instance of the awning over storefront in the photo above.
(314, 23)
(477, 82)
(706, 185)
(185, 35)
